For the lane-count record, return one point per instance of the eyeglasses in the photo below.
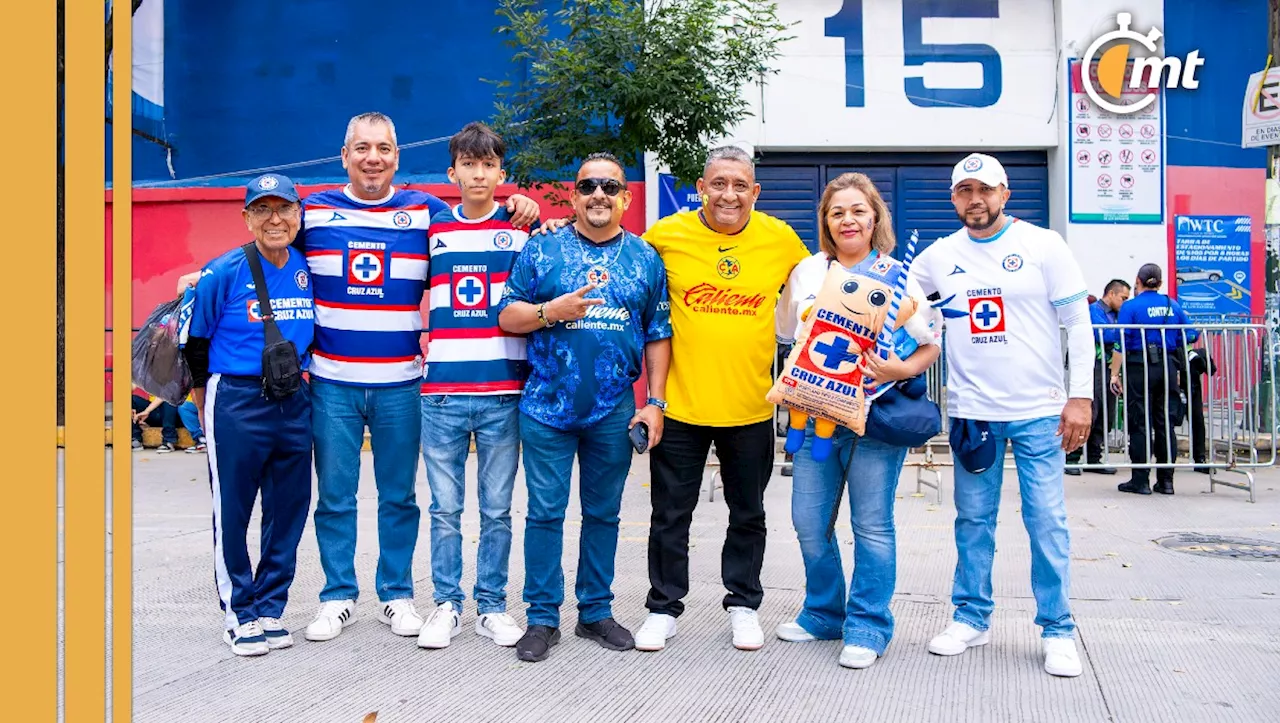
(588, 186)
(262, 212)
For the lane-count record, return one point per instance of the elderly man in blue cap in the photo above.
(1005, 287)
(248, 343)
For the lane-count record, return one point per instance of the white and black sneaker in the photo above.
(164, 448)
(247, 639)
(277, 636)
(334, 615)
(402, 617)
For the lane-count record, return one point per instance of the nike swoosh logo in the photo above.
(723, 249)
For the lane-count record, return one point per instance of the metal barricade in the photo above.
(1224, 415)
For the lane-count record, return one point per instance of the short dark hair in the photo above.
(606, 156)
(1116, 285)
(476, 140)
(1150, 276)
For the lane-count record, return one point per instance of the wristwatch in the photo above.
(661, 404)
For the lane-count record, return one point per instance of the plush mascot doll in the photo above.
(855, 313)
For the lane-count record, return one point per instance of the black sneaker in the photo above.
(608, 633)
(536, 644)
(1073, 471)
(1164, 488)
(1134, 487)
(164, 448)
(1101, 470)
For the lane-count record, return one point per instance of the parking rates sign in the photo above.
(1212, 264)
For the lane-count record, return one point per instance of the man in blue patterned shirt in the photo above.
(592, 298)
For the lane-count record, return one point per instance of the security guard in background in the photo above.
(258, 430)
(1151, 376)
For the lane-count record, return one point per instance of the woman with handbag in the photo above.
(854, 230)
(252, 325)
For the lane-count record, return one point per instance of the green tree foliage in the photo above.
(627, 76)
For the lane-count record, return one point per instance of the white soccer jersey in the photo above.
(999, 298)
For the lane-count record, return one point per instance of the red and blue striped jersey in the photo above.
(368, 261)
(467, 352)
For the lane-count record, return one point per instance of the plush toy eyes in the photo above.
(877, 298)
(850, 286)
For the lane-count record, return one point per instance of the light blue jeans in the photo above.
(1038, 455)
(448, 421)
(339, 414)
(858, 613)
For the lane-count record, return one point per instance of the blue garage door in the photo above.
(916, 188)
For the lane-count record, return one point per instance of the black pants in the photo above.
(1103, 398)
(1195, 399)
(1146, 394)
(746, 462)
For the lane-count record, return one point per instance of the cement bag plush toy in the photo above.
(823, 376)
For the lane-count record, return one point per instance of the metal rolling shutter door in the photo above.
(791, 193)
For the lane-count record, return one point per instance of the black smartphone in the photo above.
(640, 437)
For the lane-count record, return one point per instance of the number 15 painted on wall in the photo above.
(847, 24)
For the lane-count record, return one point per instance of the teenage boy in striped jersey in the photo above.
(474, 377)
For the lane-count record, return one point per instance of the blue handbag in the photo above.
(904, 416)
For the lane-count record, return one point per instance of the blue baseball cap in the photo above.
(270, 184)
(972, 444)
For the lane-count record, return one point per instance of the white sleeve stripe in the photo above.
(1071, 299)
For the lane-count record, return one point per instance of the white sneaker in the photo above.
(441, 628)
(334, 615)
(277, 636)
(657, 629)
(747, 634)
(402, 617)
(501, 628)
(247, 639)
(958, 638)
(856, 656)
(793, 633)
(1061, 658)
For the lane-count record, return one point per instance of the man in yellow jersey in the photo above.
(725, 265)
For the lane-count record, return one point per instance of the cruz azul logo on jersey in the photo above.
(834, 354)
(401, 219)
(470, 286)
(366, 268)
(986, 316)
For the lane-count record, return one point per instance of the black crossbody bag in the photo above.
(281, 372)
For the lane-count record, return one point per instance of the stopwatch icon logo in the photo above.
(1114, 62)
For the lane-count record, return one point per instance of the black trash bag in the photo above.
(158, 364)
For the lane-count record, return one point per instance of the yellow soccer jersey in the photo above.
(724, 290)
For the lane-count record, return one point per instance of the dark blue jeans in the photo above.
(604, 458)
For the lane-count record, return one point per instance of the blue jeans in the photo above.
(1037, 452)
(191, 419)
(604, 458)
(338, 417)
(448, 422)
(857, 614)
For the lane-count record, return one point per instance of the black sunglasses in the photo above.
(588, 186)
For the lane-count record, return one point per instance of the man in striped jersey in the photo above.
(366, 246)
(475, 373)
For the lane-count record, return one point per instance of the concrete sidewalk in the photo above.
(1165, 635)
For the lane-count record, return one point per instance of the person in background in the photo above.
(155, 412)
(256, 444)
(1150, 376)
(1102, 311)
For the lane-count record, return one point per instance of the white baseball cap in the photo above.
(981, 167)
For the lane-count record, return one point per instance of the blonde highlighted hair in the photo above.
(882, 238)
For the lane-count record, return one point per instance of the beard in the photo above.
(596, 220)
(992, 216)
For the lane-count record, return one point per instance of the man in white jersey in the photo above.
(1004, 287)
